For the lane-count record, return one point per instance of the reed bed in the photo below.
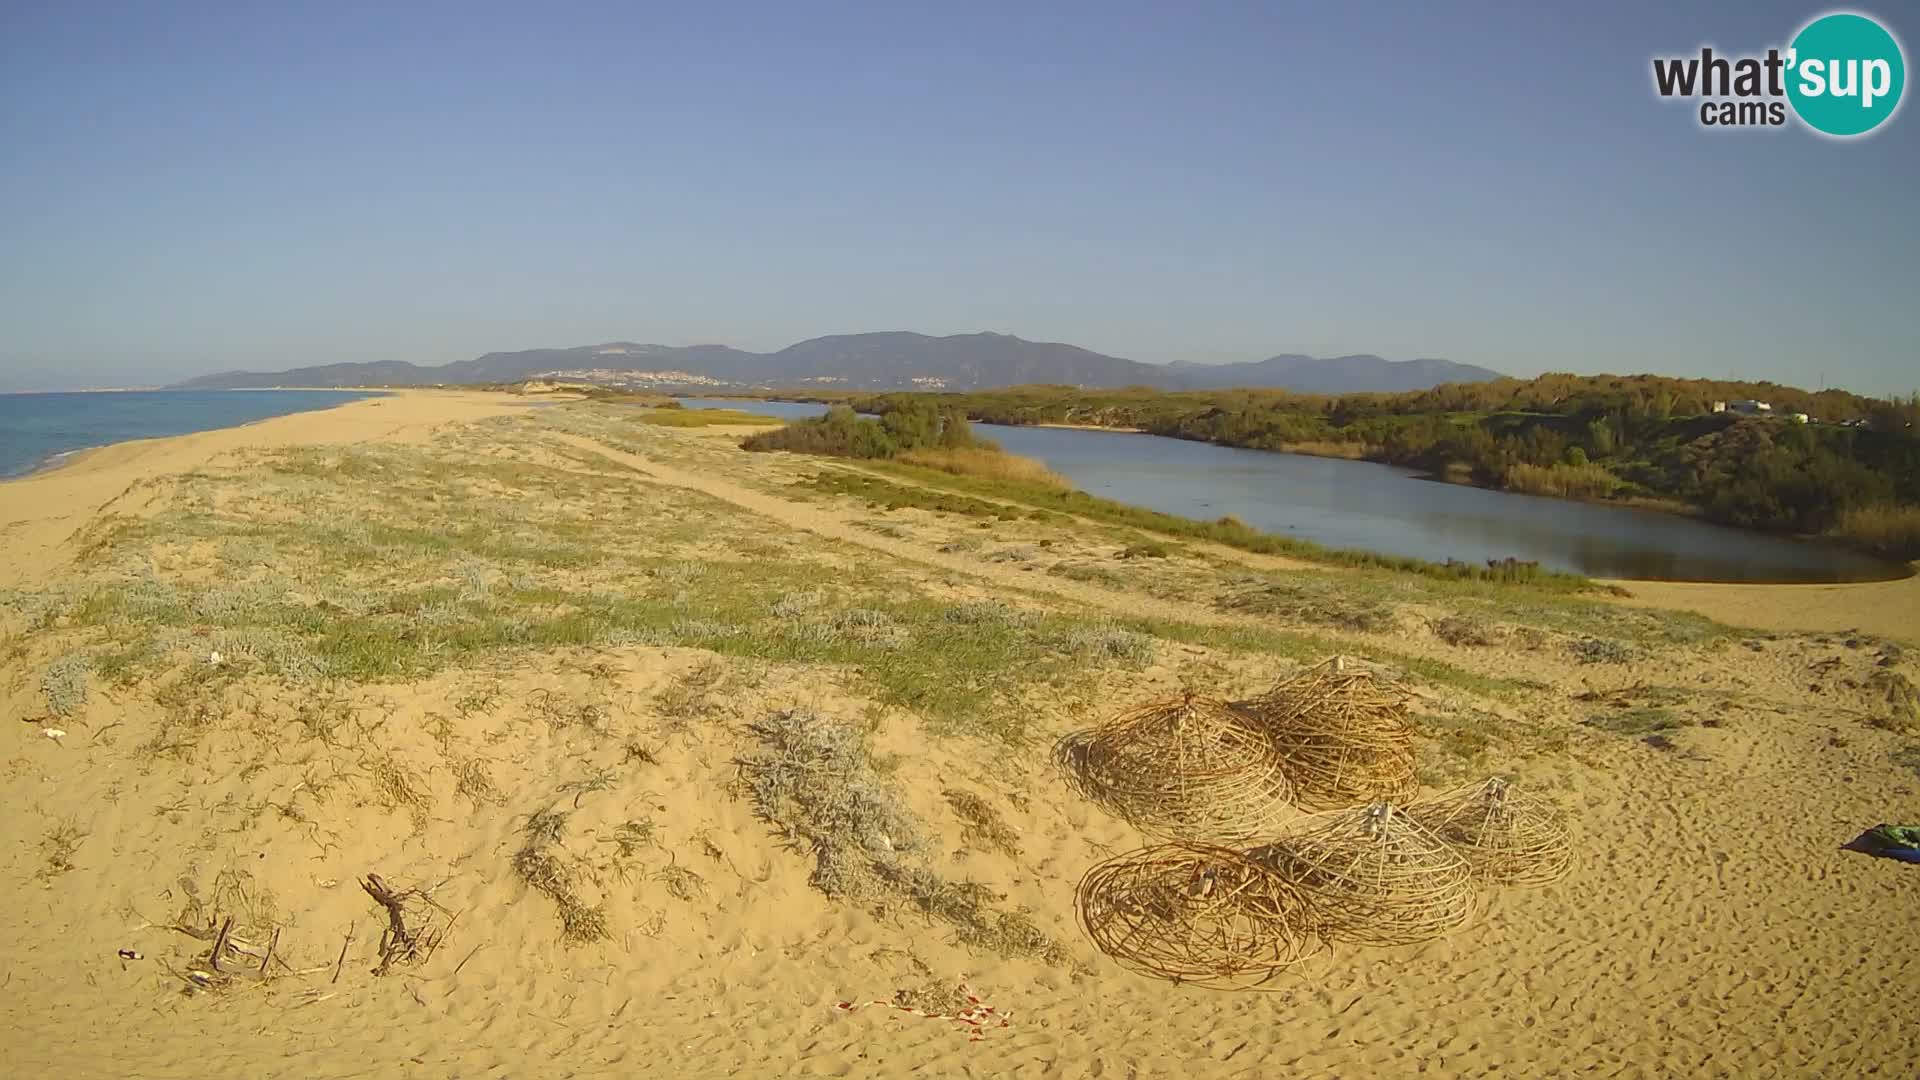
(1506, 838)
(1198, 914)
(1190, 768)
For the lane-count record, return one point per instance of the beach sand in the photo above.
(1711, 925)
(1884, 608)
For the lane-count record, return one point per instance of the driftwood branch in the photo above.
(340, 963)
(400, 943)
(220, 943)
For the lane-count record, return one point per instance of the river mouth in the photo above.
(1366, 506)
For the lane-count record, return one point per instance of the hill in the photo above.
(893, 360)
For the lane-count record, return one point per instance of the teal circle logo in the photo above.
(1845, 73)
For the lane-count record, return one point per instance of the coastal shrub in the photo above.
(64, 684)
(815, 781)
(792, 605)
(1463, 630)
(1107, 641)
(1601, 651)
(910, 425)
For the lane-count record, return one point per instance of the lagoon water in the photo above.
(36, 428)
(1380, 508)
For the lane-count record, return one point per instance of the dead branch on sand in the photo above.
(400, 943)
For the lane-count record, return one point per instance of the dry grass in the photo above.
(987, 464)
(985, 826)
(681, 883)
(471, 779)
(1893, 531)
(543, 866)
(1351, 451)
(58, 848)
(630, 836)
(323, 720)
(1590, 481)
(690, 695)
(396, 785)
(1902, 701)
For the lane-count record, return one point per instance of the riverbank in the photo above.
(527, 666)
(1873, 542)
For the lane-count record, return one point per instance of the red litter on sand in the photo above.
(975, 1019)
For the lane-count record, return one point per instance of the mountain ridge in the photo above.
(880, 360)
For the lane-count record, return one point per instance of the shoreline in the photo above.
(62, 459)
(1065, 426)
(40, 511)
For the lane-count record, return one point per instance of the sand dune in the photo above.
(1711, 925)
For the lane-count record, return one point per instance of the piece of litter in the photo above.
(974, 1020)
(215, 659)
(130, 954)
(53, 733)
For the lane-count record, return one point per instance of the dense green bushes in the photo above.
(907, 424)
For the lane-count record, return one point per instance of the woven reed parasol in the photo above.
(1376, 877)
(1197, 914)
(1505, 837)
(1342, 735)
(1190, 768)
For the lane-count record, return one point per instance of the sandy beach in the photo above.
(526, 666)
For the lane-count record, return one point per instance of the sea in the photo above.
(37, 430)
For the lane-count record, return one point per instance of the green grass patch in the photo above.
(1640, 720)
(889, 496)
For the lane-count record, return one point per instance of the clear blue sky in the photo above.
(191, 187)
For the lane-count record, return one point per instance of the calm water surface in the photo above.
(36, 428)
(1371, 507)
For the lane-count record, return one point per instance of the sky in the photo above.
(187, 188)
